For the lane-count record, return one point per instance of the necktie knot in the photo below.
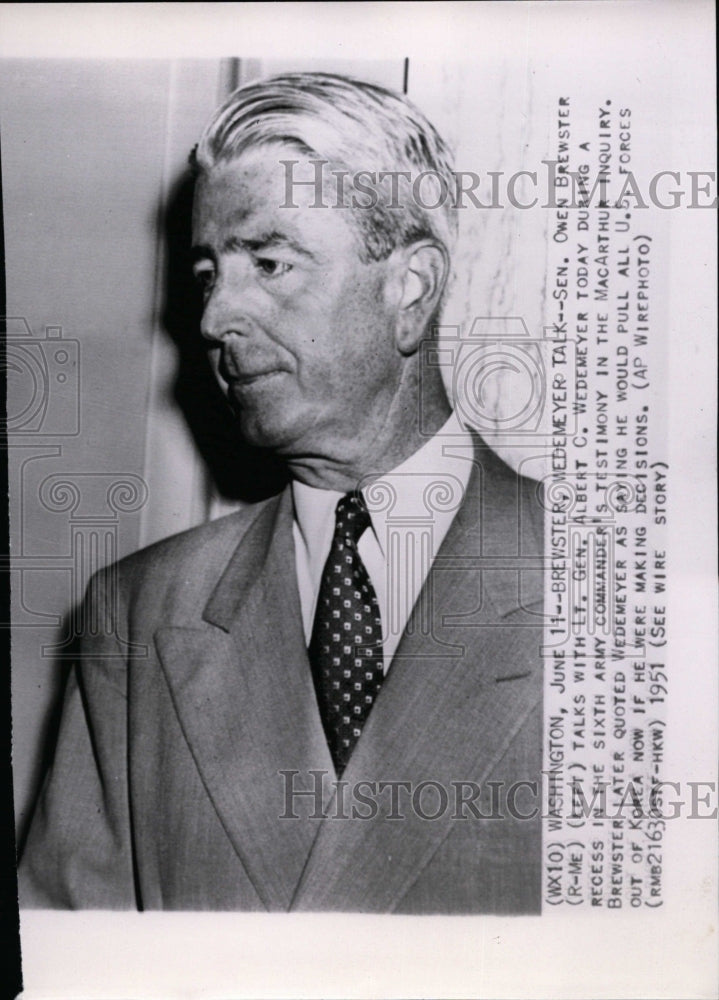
(351, 518)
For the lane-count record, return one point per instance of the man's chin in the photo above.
(269, 435)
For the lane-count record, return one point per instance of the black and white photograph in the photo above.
(361, 472)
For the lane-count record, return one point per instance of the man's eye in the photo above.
(272, 268)
(205, 277)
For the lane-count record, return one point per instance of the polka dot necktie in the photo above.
(346, 645)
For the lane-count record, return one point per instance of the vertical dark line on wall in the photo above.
(233, 74)
(10, 974)
(229, 77)
(405, 81)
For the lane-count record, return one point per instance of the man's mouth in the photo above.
(244, 379)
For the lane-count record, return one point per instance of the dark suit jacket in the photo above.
(193, 693)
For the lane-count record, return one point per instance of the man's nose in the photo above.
(228, 307)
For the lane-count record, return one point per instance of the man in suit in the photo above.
(330, 700)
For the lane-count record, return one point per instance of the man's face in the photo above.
(302, 331)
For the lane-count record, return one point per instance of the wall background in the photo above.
(117, 435)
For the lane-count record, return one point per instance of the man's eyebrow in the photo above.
(265, 241)
(268, 241)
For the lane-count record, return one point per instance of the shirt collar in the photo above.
(405, 487)
(407, 496)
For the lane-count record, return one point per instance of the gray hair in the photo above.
(352, 125)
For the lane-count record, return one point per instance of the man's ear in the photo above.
(424, 268)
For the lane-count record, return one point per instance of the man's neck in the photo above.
(396, 441)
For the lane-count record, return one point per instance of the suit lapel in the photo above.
(453, 700)
(243, 692)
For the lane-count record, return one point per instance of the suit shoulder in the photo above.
(212, 541)
(507, 489)
(501, 477)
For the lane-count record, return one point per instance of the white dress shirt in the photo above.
(411, 508)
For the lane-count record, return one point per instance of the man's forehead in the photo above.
(273, 189)
(289, 174)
